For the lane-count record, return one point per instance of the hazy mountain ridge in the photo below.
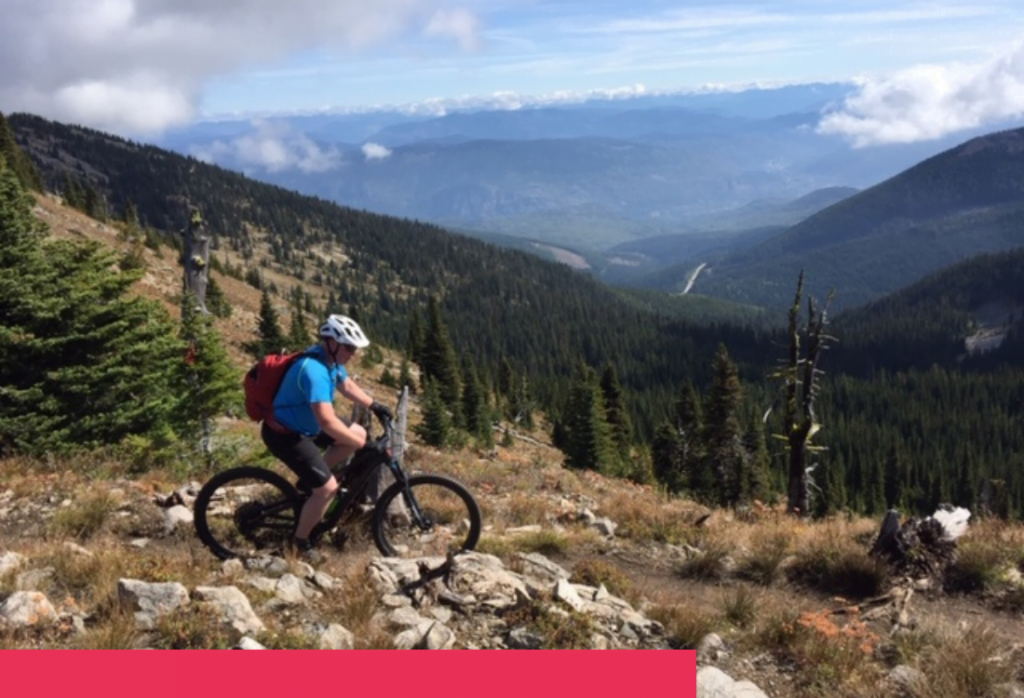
(663, 160)
(965, 201)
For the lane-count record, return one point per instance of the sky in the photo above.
(140, 67)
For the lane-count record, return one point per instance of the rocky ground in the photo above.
(104, 560)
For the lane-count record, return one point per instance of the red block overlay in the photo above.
(155, 674)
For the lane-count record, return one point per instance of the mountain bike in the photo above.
(249, 510)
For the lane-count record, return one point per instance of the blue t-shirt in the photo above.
(309, 380)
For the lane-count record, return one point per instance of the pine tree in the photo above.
(757, 482)
(474, 405)
(405, 379)
(616, 412)
(832, 498)
(436, 427)
(416, 339)
(270, 337)
(208, 382)
(588, 436)
(216, 301)
(874, 500)
(298, 333)
(695, 473)
(439, 362)
(666, 457)
(894, 479)
(17, 159)
(520, 403)
(82, 364)
(722, 431)
(966, 488)
(74, 196)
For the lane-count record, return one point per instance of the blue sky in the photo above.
(137, 67)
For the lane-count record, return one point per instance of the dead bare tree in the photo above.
(801, 388)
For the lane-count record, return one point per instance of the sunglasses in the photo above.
(350, 347)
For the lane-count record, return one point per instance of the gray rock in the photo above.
(537, 566)
(715, 683)
(10, 561)
(337, 637)
(604, 526)
(177, 517)
(566, 592)
(232, 606)
(710, 649)
(33, 580)
(437, 637)
(151, 600)
(24, 609)
(406, 616)
(247, 643)
(523, 639)
(907, 677)
(291, 590)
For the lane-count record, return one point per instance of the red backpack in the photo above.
(262, 381)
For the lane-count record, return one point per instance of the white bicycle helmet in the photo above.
(344, 330)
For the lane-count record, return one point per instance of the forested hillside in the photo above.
(501, 306)
(963, 202)
(630, 386)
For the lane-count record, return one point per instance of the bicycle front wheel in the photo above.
(246, 511)
(433, 516)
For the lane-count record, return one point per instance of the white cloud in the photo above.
(458, 24)
(139, 66)
(375, 151)
(929, 102)
(271, 146)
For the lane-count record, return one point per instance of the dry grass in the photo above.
(84, 518)
(969, 664)
(740, 606)
(595, 572)
(763, 562)
(685, 625)
(830, 559)
(831, 654)
(556, 628)
(709, 564)
(644, 515)
(354, 605)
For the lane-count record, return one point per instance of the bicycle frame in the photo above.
(354, 479)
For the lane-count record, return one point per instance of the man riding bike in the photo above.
(304, 421)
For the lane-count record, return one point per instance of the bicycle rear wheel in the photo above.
(245, 511)
(437, 515)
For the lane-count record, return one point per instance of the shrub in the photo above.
(595, 572)
(973, 663)
(740, 607)
(557, 629)
(684, 626)
(975, 568)
(762, 564)
(84, 518)
(837, 567)
(708, 565)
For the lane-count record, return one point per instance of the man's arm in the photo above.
(350, 389)
(335, 428)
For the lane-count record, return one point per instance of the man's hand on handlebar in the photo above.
(382, 412)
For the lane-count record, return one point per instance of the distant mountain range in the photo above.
(963, 202)
(586, 176)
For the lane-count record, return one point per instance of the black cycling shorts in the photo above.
(302, 454)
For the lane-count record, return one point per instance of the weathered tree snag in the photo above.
(801, 389)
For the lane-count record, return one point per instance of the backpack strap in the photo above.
(271, 420)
